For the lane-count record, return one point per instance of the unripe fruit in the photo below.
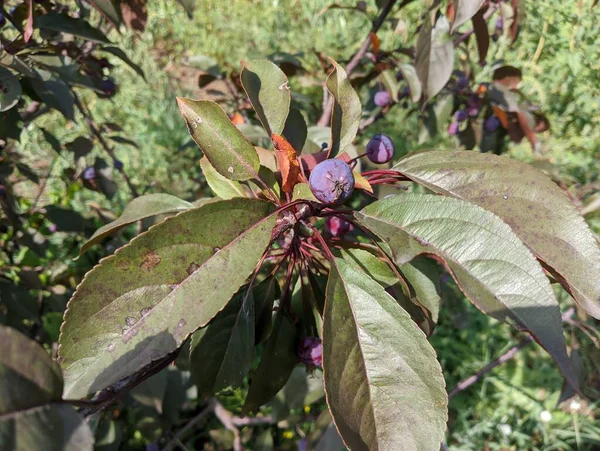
(310, 351)
(332, 181)
(491, 124)
(89, 173)
(453, 128)
(337, 227)
(380, 149)
(382, 98)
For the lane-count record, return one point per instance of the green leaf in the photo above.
(55, 93)
(464, 10)
(488, 261)
(435, 55)
(223, 144)
(221, 353)
(388, 78)
(265, 294)
(409, 73)
(31, 416)
(10, 90)
(221, 186)
(371, 264)
(347, 110)
(108, 10)
(264, 442)
(537, 210)
(188, 5)
(423, 275)
(144, 301)
(139, 208)
(383, 383)
(276, 364)
(268, 91)
(435, 117)
(302, 191)
(123, 57)
(63, 23)
(295, 130)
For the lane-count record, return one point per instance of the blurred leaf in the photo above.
(17, 64)
(108, 10)
(10, 124)
(276, 364)
(268, 91)
(347, 110)
(123, 57)
(488, 261)
(55, 93)
(435, 55)
(388, 78)
(134, 13)
(423, 275)
(157, 290)
(482, 35)
(264, 442)
(63, 23)
(384, 385)
(464, 10)
(17, 304)
(409, 74)
(222, 143)
(108, 436)
(66, 220)
(104, 178)
(301, 389)
(295, 130)
(188, 5)
(221, 353)
(221, 186)
(139, 208)
(435, 118)
(537, 210)
(31, 416)
(151, 392)
(10, 90)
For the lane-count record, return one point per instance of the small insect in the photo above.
(339, 185)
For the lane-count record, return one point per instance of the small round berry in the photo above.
(109, 87)
(332, 181)
(461, 79)
(380, 149)
(492, 123)
(337, 226)
(310, 351)
(460, 116)
(89, 173)
(453, 128)
(118, 165)
(382, 98)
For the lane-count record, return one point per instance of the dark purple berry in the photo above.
(461, 79)
(337, 227)
(332, 181)
(405, 91)
(109, 87)
(460, 116)
(89, 173)
(382, 98)
(492, 123)
(118, 165)
(380, 149)
(310, 351)
(453, 128)
(2, 20)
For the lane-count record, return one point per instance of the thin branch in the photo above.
(355, 61)
(210, 408)
(226, 419)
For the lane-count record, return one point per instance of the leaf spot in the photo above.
(181, 323)
(216, 249)
(193, 267)
(230, 169)
(285, 86)
(145, 311)
(130, 321)
(505, 197)
(151, 259)
(196, 122)
(111, 347)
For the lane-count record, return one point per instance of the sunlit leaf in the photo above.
(64, 23)
(144, 301)
(221, 186)
(383, 383)
(10, 90)
(464, 10)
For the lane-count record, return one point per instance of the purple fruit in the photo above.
(472, 110)
(89, 173)
(499, 23)
(382, 98)
(310, 351)
(380, 149)
(332, 181)
(460, 116)
(492, 123)
(461, 79)
(118, 165)
(109, 87)
(453, 128)
(337, 227)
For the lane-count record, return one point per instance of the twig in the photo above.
(96, 132)
(190, 425)
(355, 61)
(512, 352)
(226, 419)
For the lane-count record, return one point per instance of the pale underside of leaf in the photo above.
(489, 262)
(536, 209)
(143, 302)
(383, 383)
